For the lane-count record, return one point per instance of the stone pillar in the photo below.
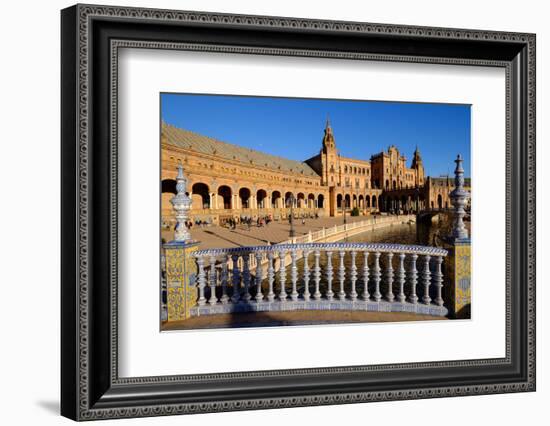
(457, 280)
(181, 271)
(181, 267)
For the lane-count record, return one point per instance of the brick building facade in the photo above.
(227, 180)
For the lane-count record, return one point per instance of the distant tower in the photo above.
(418, 167)
(329, 157)
(328, 138)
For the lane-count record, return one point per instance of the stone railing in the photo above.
(330, 276)
(362, 225)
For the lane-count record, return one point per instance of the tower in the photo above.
(418, 167)
(329, 157)
(328, 138)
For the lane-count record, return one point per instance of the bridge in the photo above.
(424, 215)
(310, 276)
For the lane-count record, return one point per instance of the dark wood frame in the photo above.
(91, 388)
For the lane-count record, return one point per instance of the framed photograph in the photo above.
(263, 212)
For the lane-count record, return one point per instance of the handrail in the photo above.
(379, 247)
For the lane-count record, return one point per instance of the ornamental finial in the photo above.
(459, 196)
(182, 204)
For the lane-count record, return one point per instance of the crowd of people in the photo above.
(248, 221)
(198, 222)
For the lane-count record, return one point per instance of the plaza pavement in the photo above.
(220, 237)
(264, 319)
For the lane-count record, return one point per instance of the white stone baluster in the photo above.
(342, 276)
(389, 278)
(213, 281)
(259, 277)
(282, 276)
(294, 275)
(438, 279)
(401, 277)
(376, 275)
(270, 277)
(224, 277)
(306, 275)
(330, 293)
(202, 281)
(246, 277)
(366, 295)
(413, 274)
(317, 275)
(236, 278)
(353, 294)
(427, 280)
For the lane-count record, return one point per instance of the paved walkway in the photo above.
(266, 319)
(219, 237)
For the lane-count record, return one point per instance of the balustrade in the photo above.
(261, 269)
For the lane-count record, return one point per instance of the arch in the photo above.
(201, 195)
(289, 198)
(311, 201)
(275, 199)
(387, 184)
(169, 186)
(225, 196)
(261, 196)
(367, 201)
(244, 196)
(300, 200)
(347, 203)
(354, 201)
(374, 201)
(361, 202)
(394, 185)
(339, 201)
(321, 201)
(439, 202)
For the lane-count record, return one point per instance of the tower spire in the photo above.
(328, 138)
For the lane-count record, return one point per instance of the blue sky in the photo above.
(293, 128)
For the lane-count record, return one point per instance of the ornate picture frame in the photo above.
(91, 386)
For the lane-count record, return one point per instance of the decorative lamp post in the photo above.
(459, 197)
(182, 204)
(346, 185)
(292, 232)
